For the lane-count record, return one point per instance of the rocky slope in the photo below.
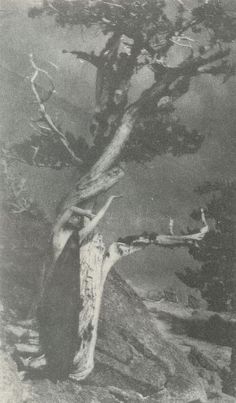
(204, 336)
(133, 361)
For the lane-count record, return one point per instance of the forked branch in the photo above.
(42, 109)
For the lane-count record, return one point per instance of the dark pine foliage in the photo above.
(147, 33)
(216, 277)
(46, 150)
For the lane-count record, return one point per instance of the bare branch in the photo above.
(177, 41)
(32, 363)
(88, 57)
(86, 189)
(47, 118)
(39, 70)
(113, 4)
(131, 244)
(82, 212)
(171, 226)
(66, 216)
(61, 233)
(91, 185)
(94, 222)
(183, 5)
(52, 7)
(36, 149)
(203, 218)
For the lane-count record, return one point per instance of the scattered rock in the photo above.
(193, 302)
(170, 295)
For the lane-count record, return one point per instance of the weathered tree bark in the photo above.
(95, 263)
(93, 271)
(79, 253)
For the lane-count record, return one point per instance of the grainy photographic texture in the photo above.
(118, 277)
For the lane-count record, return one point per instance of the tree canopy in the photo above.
(140, 33)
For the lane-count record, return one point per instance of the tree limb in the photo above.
(92, 185)
(88, 57)
(66, 216)
(192, 66)
(184, 5)
(131, 244)
(47, 118)
(117, 143)
(84, 232)
(85, 190)
(61, 234)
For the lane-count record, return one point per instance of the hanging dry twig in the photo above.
(45, 116)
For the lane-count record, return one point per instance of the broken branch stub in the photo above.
(61, 234)
(92, 185)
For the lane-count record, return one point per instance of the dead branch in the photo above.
(45, 116)
(177, 41)
(171, 226)
(131, 244)
(66, 216)
(85, 190)
(61, 233)
(87, 57)
(113, 4)
(94, 222)
(82, 212)
(92, 185)
(182, 4)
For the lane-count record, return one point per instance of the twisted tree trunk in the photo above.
(79, 261)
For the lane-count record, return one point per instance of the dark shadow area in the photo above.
(213, 329)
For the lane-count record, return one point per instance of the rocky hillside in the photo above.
(134, 362)
(204, 336)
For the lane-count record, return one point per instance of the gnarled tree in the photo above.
(139, 33)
